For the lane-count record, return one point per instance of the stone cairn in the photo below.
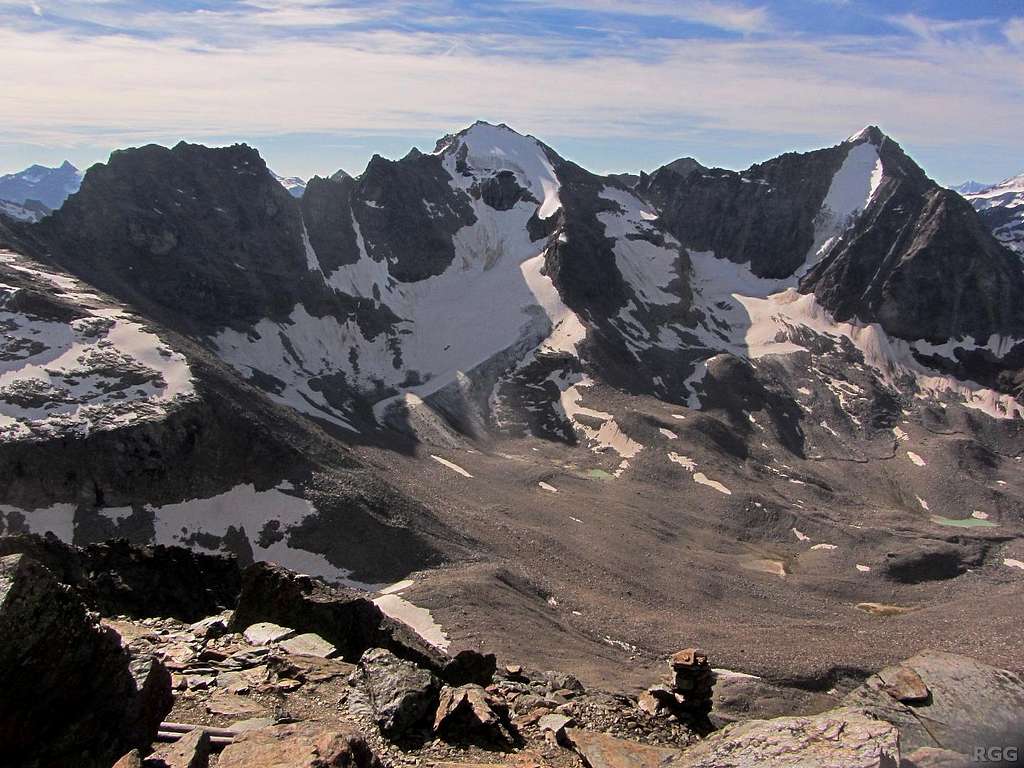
(686, 692)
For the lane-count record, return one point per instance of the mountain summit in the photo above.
(49, 186)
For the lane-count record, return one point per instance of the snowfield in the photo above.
(101, 371)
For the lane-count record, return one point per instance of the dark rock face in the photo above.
(501, 191)
(330, 221)
(922, 265)
(470, 667)
(69, 694)
(402, 694)
(408, 212)
(116, 578)
(206, 236)
(764, 215)
(344, 618)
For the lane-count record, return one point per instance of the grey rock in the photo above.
(931, 757)
(554, 723)
(308, 644)
(402, 695)
(970, 704)
(266, 632)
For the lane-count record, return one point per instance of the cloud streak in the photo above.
(120, 80)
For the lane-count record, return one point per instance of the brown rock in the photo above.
(190, 751)
(299, 745)
(230, 705)
(904, 684)
(691, 657)
(309, 669)
(599, 750)
(132, 760)
(466, 707)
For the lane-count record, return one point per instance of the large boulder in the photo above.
(299, 745)
(839, 738)
(966, 704)
(71, 695)
(402, 695)
(344, 618)
(118, 578)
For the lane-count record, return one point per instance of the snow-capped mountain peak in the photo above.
(49, 186)
(869, 133)
(295, 185)
(1001, 206)
(484, 149)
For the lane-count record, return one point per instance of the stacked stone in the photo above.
(693, 680)
(687, 692)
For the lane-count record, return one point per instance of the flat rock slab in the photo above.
(266, 632)
(970, 704)
(230, 705)
(309, 644)
(600, 750)
(840, 738)
(299, 745)
(554, 722)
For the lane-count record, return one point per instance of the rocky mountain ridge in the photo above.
(550, 398)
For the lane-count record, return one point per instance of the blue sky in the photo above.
(319, 85)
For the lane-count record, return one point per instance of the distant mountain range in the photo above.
(49, 186)
(52, 186)
(1001, 207)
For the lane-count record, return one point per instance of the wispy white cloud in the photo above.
(223, 74)
(1014, 31)
(719, 15)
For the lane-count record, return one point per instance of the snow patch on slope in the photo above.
(98, 372)
(852, 188)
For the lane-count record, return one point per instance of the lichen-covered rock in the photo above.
(841, 738)
(402, 695)
(947, 701)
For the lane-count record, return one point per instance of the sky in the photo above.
(318, 85)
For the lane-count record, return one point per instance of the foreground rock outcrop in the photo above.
(77, 691)
(69, 693)
(835, 739)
